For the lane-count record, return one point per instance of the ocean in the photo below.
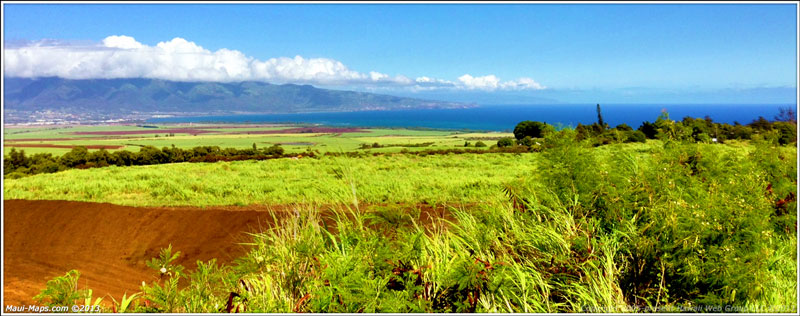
(504, 117)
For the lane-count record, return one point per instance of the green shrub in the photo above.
(62, 291)
(636, 137)
(532, 129)
(505, 142)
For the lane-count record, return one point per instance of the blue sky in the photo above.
(557, 52)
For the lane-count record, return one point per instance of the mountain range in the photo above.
(120, 96)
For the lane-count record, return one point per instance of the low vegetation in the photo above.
(674, 227)
(670, 224)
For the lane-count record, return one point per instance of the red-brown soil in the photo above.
(300, 130)
(65, 146)
(109, 244)
(151, 131)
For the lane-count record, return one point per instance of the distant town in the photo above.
(55, 117)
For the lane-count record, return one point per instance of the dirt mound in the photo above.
(109, 244)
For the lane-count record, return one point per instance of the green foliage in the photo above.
(74, 158)
(600, 121)
(124, 303)
(532, 129)
(649, 130)
(164, 263)
(669, 223)
(164, 297)
(526, 141)
(62, 291)
(636, 137)
(480, 144)
(17, 164)
(505, 142)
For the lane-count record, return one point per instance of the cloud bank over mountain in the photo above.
(121, 56)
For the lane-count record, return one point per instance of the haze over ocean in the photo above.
(505, 117)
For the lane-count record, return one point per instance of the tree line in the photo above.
(528, 137)
(782, 130)
(16, 164)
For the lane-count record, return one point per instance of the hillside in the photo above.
(120, 96)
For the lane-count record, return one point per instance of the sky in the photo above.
(506, 53)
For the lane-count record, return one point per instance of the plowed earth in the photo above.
(109, 244)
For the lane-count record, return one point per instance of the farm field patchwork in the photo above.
(59, 140)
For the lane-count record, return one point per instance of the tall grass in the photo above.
(386, 179)
(664, 227)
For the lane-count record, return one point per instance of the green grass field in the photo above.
(655, 226)
(299, 142)
(382, 179)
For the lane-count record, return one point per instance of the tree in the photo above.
(532, 129)
(101, 158)
(75, 157)
(600, 118)
(761, 124)
(150, 155)
(786, 115)
(505, 142)
(15, 159)
(649, 129)
(124, 158)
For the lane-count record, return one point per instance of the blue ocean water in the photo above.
(504, 117)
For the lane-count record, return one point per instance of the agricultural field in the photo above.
(59, 140)
(660, 225)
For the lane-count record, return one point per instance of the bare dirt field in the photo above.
(300, 130)
(109, 244)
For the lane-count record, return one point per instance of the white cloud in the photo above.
(523, 83)
(432, 82)
(121, 42)
(121, 56)
(492, 83)
(489, 82)
(377, 76)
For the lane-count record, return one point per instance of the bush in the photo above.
(636, 137)
(624, 127)
(649, 129)
(505, 142)
(532, 129)
(787, 132)
(62, 291)
(526, 141)
(480, 144)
